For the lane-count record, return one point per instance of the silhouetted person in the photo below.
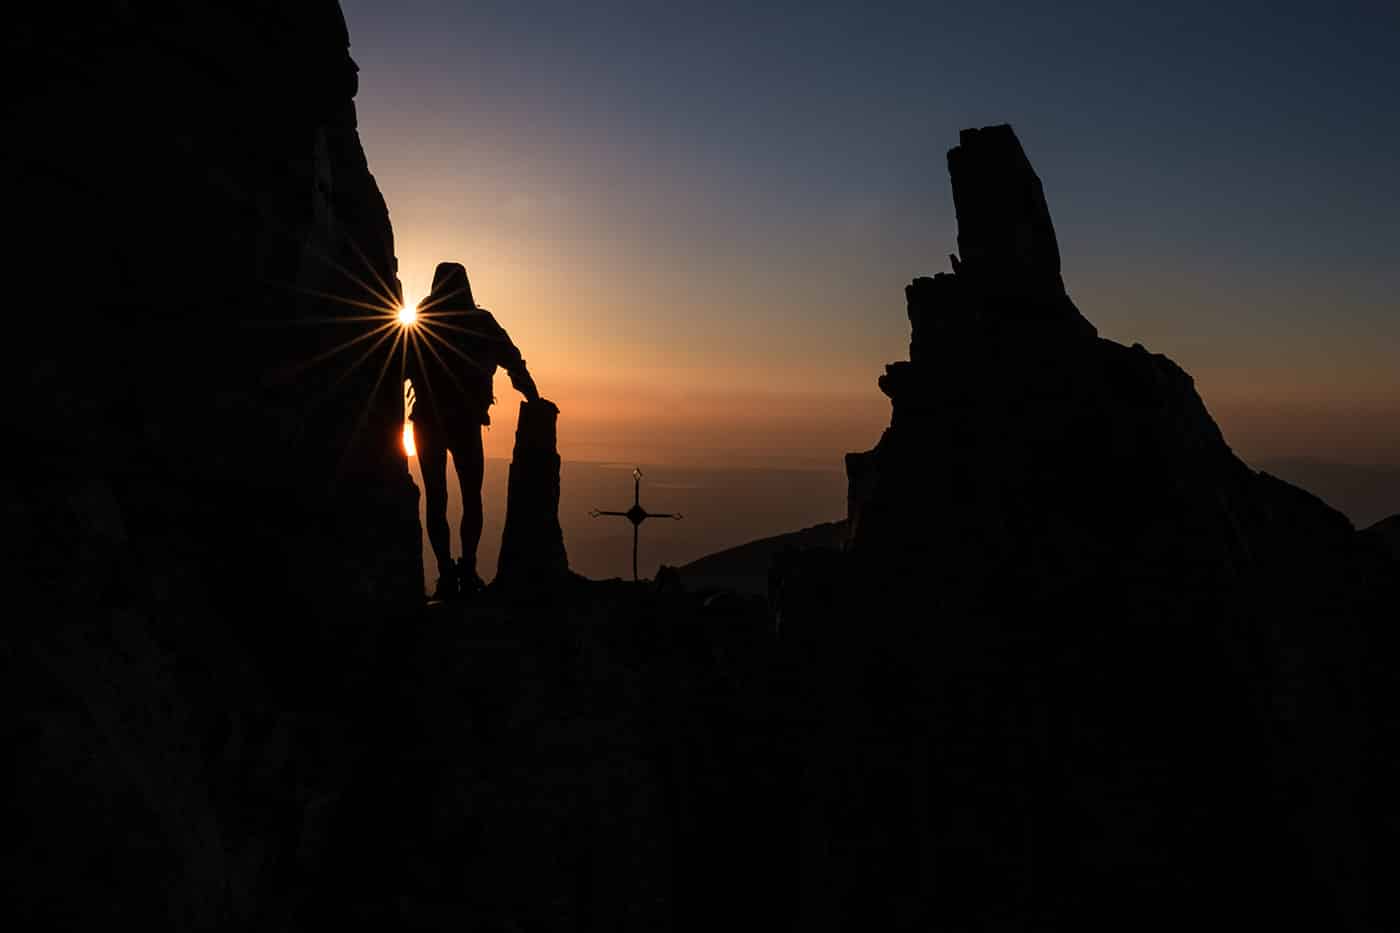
(453, 385)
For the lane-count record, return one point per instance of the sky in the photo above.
(697, 220)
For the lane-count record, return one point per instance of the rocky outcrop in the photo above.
(1007, 271)
(1074, 635)
(208, 521)
(1006, 241)
(532, 543)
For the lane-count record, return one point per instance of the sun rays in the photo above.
(385, 331)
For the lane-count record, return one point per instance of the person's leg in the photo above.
(471, 466)
(432, 462)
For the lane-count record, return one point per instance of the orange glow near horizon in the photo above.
(409, 448)
(715, 387)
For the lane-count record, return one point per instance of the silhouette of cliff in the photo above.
(1090, 658)
(209, 526)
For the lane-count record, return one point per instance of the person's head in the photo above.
(451, 289)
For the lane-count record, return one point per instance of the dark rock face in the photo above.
(208, 521)
(1091, 658)
(1387, 533)
(191, 210)
(532, 543)
(1008, 263)
(606, 761)
(1004, 231)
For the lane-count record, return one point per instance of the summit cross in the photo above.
(636, 515)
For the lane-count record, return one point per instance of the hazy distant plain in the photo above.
(724, 508)
(721, 508)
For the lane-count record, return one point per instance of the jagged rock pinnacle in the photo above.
(1005, 235)
(1006, 276)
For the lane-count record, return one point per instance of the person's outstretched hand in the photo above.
(524, 383)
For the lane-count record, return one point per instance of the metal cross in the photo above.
(636, 515)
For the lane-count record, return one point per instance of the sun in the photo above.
(408, 315)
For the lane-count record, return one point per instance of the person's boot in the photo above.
(448, 587)
(468, 583)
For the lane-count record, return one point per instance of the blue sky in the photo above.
(698, 201)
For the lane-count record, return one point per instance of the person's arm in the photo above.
(521, 379)
(508, 358)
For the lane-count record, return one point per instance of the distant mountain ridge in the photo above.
(1368, 495)
(1365, 494)
(745, 568)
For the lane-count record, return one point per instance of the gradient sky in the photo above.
(697, 221)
